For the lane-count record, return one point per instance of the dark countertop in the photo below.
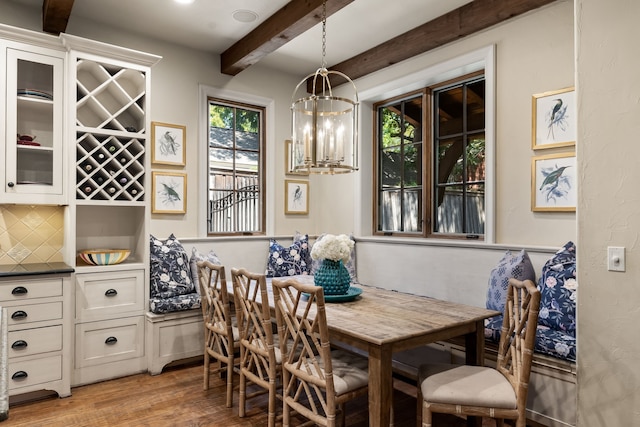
(35, 269)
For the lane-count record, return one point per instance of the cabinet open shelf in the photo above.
(110, 97)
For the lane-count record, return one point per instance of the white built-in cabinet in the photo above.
(32, 121)
(39, 334)
(87, 104)
(110, 127)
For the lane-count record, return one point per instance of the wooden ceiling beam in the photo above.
(468, 19)
(55, 15)
(293, 19)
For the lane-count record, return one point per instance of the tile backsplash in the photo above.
(31, 234)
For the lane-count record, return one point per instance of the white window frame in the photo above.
(203, 151)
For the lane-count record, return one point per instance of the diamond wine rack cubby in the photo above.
(109, 168)
(110, 132)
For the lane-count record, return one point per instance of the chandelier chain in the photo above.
(324, 33)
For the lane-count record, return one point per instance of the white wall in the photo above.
(607, 61)
(528, 61)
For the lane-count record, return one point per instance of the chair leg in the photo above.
(418, 406)
(285, 414)
(229, 383)
(242, 395)
(272, 405)
(207, 362)
(426, 415)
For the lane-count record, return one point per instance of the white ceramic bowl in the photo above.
(104, 256)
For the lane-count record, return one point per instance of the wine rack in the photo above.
(110, 132)
(109, 168)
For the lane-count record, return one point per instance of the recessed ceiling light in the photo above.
(244, 15)
(184, 1)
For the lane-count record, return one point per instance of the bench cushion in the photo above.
(176, 303)
(559, 344)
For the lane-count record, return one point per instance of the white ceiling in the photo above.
(209, 25)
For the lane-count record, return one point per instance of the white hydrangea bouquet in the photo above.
(333, 247)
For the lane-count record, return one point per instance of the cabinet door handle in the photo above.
(19, 315)
(10, 184)
(111, 340)
(19, 345)
(20, 375)
(19, 290)
(111, 293)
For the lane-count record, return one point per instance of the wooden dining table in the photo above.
(382, 322)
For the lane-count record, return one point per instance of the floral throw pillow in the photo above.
(288, 261)
(170, 272)
(196, 256)
(517, 266)
(559, 290)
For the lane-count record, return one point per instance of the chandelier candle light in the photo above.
(324, 126)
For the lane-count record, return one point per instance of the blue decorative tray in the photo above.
(351, 294)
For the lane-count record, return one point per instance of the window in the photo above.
(430, 161)
(236, 168)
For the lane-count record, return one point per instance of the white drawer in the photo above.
(33, 341)
(35, 371)
(26, 314)
(109, 294)
(18, 290)
(109, 341)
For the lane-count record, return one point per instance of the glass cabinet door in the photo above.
(34, 160)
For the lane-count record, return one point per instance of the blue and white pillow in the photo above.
(516, 266)
(289, 261)
(196, 256)
(558, 287)
(170, 271)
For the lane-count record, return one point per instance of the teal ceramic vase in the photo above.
(333, 276)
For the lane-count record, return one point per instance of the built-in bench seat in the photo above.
(552, 396)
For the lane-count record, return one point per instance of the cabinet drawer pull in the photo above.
(111, 293)
(19, 345)
(111, 340)
(19, 315)
(20, 375)
(19, 290)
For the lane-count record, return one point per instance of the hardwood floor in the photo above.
(176, 398)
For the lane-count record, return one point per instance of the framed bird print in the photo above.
(553, 182)
(168, 144)
(296, 193)
(554, 119)
(169, 192)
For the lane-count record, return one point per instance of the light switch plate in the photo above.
(615, 258)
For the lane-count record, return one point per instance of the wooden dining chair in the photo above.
(259, 356)
(220, 334)
(316, 380)
(499, 392)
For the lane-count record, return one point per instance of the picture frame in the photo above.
(169, 192)
(554, 183)
(296, 197)
(168, 144)
(554, 119)
(289, 157)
